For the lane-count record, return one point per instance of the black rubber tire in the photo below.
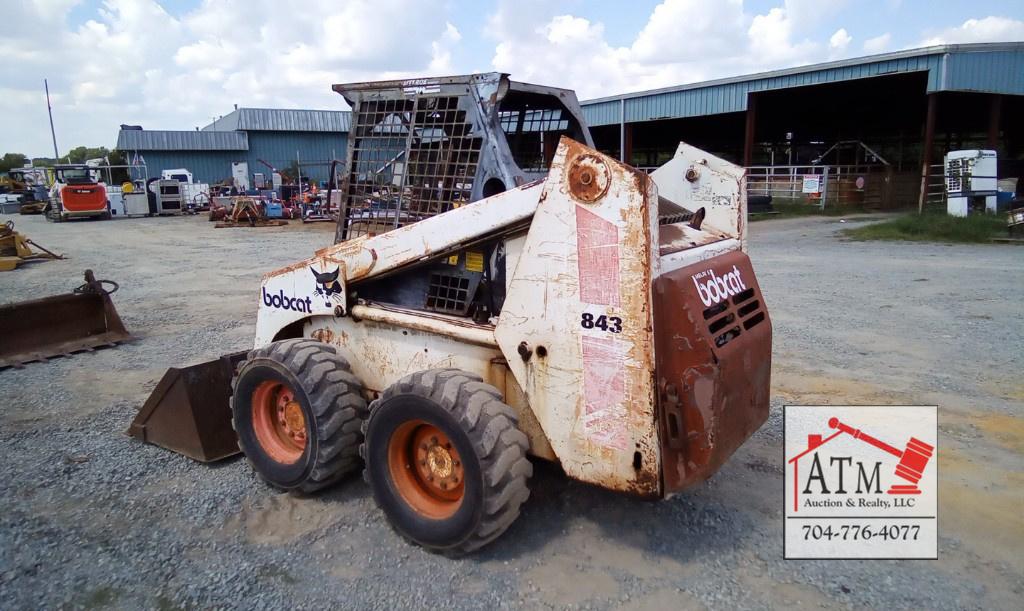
(332, 402)
(483, 429)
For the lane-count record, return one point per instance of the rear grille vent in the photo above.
(729, 319)
(448, 294)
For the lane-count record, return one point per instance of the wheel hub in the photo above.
(292, 418)
(440, 462)
(278, 421)
(427, 468)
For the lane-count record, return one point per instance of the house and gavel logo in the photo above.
(861, 481)
(913, 460)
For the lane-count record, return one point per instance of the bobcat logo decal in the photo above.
(327, 286)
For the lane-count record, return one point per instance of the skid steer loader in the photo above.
(600, 317)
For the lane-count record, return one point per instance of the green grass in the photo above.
(934, 227)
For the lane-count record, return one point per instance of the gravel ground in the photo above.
(90, 518)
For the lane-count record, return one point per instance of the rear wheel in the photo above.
(446, 460)
(298, 412)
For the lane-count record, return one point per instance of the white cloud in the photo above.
(839, 41)
(988, 29)
(878, 44)
(132, 62)
(682, 41)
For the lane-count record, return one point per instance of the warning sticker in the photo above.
(474, 261)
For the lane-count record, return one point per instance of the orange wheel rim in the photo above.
(427, 469)
(278, 421)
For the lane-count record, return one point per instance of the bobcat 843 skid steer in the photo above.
(600, 317)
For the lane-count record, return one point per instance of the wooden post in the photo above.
(994, 118)
(926, 151)
(748, 139)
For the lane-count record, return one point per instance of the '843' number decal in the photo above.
(611, 324)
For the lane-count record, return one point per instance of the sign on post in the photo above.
(812, 183)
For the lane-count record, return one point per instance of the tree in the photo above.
(80, 154)
(12, 160)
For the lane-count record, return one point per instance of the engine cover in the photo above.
(713, 365)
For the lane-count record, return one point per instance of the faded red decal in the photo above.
(604, 389)
(597, 250)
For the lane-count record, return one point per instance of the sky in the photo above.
(179, 64)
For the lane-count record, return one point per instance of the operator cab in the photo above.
(421, 147)
(74, 174)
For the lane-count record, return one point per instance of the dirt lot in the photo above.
(91, 518)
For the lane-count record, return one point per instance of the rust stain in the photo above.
(713, 383)
(323, 335)
(589, 177)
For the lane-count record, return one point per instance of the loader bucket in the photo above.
(60, 325)
(189, 411)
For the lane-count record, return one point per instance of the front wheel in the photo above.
(298, 412)
(446, 460)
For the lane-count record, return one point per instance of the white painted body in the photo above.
(970, 174)
(589, 401)
(176, 174)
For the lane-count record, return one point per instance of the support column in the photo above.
(748, 139)
(627, 143)
(622, 130)
(926, 151)
(994, 119)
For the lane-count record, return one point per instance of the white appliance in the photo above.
(116, 201)
(240, 172)
(136, 203)
(169, 198)
(970, 181)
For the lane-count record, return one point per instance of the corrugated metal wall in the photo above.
(206, 166)
(732, 96)
(278, 149)
(992, 71)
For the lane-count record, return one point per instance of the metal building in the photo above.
(279, 137)
(881, 124)
(906, 109)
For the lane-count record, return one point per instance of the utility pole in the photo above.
(49, 110)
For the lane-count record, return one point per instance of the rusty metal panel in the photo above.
(576, 324)
(713, 368)
(696, 179)
(189, 411)
(381, 353)
(318, 285)
(60, 325)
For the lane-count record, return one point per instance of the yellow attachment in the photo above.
(15, 248)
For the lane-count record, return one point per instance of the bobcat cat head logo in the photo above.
(327, 285)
